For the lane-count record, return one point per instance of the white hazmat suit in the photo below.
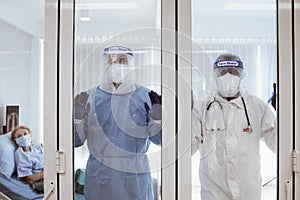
(230, 157)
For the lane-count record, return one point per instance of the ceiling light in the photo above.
(106, 6)
(206, 51)
(250, 6)
(84, 16)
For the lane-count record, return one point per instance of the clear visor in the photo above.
(231, 70)
(118, 55)
(123, 59)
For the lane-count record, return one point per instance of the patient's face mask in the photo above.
(24, 141)
(228, 85)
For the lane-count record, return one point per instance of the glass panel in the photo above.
(117, 63)
(235, 134)
(21, 97)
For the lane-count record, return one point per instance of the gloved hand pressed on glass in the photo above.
(273, 98)
(155, 111)
(81, 106)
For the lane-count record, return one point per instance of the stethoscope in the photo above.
(222, 126)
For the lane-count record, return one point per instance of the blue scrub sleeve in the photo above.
(155, 132)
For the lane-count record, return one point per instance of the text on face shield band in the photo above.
(228, 63)
(118, 50)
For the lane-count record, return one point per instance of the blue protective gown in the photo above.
(118, 131)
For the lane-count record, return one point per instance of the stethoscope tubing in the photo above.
(249, 127)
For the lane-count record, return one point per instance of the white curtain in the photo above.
(258, 55)
(89, 64)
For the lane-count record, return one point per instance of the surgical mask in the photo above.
(228, 85)
(117, 72)
(24, 141)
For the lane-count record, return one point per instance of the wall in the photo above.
(20, 76)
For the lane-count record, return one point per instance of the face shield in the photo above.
(228, 74)
(233, 67)
(119, 61)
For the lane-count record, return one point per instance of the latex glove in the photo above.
(155, 111)
(81, 106)
(273, 98)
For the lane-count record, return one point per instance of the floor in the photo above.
(268, 193)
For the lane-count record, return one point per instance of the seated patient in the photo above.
(29, 159)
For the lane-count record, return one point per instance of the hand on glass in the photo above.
(273, 100)
(155, 111)
(81, 106)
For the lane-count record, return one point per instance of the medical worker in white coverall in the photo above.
(228, 128)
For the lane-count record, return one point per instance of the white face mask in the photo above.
(24, 141)
(228, 85)
(117, 72)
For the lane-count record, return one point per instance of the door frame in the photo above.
(296, 48)
(285, 120)
(50, 97)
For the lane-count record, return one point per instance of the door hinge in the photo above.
(60, 161)
(295, 161)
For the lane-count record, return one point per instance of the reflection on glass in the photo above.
(117, 102)
(235, 68)
(21, 99)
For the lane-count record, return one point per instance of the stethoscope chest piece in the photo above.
(248, 129)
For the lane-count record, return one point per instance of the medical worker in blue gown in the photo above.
(119, 120)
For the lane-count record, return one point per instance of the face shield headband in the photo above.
(118, 50)
(118, 54)
(228, 63)
(234, 67)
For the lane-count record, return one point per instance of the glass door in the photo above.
(108, 111)
(117, 100)
(234, 74)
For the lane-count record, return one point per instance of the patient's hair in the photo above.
(13, 132)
